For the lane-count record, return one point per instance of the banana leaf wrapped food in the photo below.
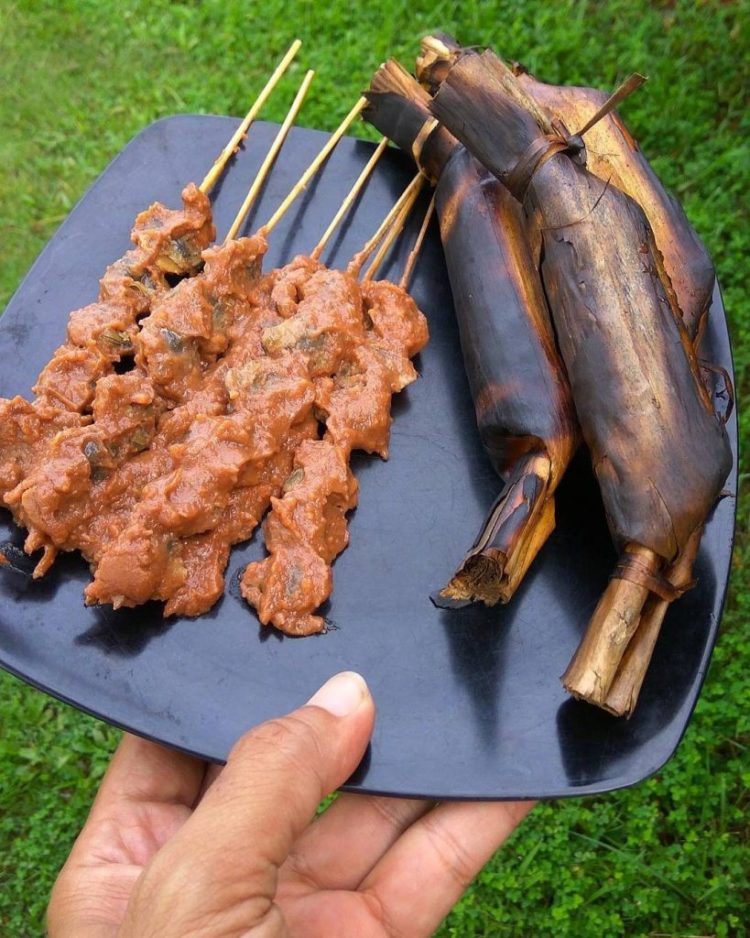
(523, 405)
(659, 451)
(613, 155)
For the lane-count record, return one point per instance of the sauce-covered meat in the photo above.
(172, 240)
(154, 474)
(83, 493)
(356, 342)
(25, 432)
(216, 460)
(167, 241)
(304, 532)
(101, 334)
(205, 556)
(68, 381)
(54, 496)
(189, 326)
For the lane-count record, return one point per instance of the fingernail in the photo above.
(341, 695)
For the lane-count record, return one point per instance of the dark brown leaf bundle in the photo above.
(659, 451)
(522, 400)
(614, 156)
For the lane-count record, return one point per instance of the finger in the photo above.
(345, 843)
(144, 772)
(279, 772)
(213, 771)
(221, 868)
(424, 874)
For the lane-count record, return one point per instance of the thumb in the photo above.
(278, 773)
(225, 858)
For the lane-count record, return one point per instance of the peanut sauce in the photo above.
(248, 391)
(99, 336)
(306, 528)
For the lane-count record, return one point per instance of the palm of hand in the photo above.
(120, 839)
(175, 848)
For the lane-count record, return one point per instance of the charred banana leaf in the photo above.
(522, 399)
(614, 156)
(659, 451)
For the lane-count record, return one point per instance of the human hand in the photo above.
(176, 848)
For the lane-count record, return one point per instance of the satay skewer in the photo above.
(349, 198)
(308, 174)
(235, 510)
(103, 332)
(394, 231)
(173, 357)
(358, 261)
(170, 361)
(116, 578)
(232, 146)
(307, 527)
(411, 260)
(270, 158)
(167, 243)
(205, 556)
(119, 582)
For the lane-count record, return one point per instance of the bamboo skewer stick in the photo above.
(385, 245)
(350, 198)
(411, 260)
(301, 184)
(631, 84)
(359, 259)
(394, 231)
(415, 185)
(226, 154)
(268, 162)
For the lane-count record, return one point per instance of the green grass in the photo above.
(670, 857)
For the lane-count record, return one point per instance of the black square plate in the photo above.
(470, 704)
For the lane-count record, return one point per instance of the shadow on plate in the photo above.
(476, 641)
(18, 572)
(124, 633)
